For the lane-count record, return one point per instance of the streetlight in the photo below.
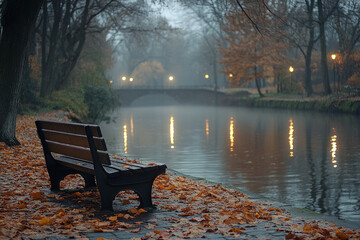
(123, 78)
(231, 75)
(131, 79)
(333, 57)
(207, 77)
(171, 79)
(291, 70)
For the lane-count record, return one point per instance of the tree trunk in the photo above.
(257, 82)
(309, 49)
(324, 65)
(17, 20)
(308, 85)
(63, 45)
(49, 60)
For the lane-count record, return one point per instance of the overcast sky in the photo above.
(179, 16)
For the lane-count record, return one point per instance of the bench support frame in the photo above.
(108, 188)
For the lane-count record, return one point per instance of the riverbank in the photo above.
(186, 208)
(334, 103)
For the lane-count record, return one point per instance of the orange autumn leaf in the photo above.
(36, 195)
(136, 211)
(113, 218)
(307, 228)
(44, 221)
(140, 211)
(21, 205)
(182, 196)
(237, 230)
(60, 214)
(132, 210)
(342, 236)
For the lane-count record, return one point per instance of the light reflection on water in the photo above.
(305, 159)
(291, 137)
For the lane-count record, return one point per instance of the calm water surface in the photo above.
(309, 160)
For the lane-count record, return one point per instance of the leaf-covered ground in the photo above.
(190, 208)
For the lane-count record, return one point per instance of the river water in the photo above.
(306, 159)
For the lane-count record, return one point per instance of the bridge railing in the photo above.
(164, 88)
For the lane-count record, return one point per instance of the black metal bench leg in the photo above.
(107, 198)
(107, 194)
(55, 179)
(144, 191)
(89, 180)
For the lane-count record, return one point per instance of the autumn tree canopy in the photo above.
(251, 55)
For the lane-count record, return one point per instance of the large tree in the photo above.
(18, 18)
(302, 34)
(251, 54)
(324, 12)
(65, 25)
(347, 26)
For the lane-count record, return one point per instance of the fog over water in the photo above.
(305, 159)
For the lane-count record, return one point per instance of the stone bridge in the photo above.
(180, 95)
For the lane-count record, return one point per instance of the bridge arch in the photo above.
(180, 95)
(154, 100)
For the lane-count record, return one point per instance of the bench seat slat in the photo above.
(76, 152)
(88, 167)
(73, 139)
(125, 165)
(141, 165)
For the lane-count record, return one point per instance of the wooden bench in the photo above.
(73, 148)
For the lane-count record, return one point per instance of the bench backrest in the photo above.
(69, 139)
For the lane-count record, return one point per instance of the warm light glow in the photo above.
(123, 78)
(230, 75)
(333, 56)
(291, 137)
(207, 127)
(131, 126)
(333, 148)
(231, 134)
(125, 139)
(131, 79)
(291, 69)
(172, 132)
(111, 81)
(206, 76)
(171, 78)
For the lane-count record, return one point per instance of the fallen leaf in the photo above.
(44, 221)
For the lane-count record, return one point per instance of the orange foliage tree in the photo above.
(250, 54)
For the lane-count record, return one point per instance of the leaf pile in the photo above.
(29, 210)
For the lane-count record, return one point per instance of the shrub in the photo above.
(99, 101)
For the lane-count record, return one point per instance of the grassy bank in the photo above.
(323, 104)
